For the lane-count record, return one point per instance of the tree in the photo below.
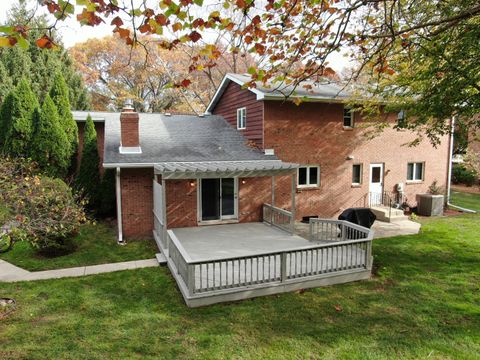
(293, 41)
(18, 120)
(37, 64)
(5, 117)
(60, 97)
(6, 84)
(88, 178)
(50, 147)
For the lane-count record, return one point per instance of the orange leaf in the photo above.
(177, 27)
(117, 21)
(144, 28)
(195, 36)
(44, 42)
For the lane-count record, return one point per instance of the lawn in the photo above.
(96, 244)
(466, 200)
(423, 302)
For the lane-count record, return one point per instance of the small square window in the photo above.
(347, 117)
(308, 176)
(415, 171)
(356, 174)
(242, 118)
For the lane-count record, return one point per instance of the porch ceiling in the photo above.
(224, 169)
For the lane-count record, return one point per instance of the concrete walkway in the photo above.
(12, 273)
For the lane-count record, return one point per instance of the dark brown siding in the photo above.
(233, 98)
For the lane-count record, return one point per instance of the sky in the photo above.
(72, 32)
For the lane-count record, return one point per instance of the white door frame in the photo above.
(222, 217)
(376, 189)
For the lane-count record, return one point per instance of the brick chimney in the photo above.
(129, 122)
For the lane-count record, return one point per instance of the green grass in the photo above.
(466, 200)
(96, 244)
(424, 302)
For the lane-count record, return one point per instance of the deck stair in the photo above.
(162, 260)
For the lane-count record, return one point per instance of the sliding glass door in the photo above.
(218, 199)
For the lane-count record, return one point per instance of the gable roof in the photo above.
(176, 138)
(326, 91)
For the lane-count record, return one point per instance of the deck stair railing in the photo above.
(280, 218)
(386, 199)
(345, 248)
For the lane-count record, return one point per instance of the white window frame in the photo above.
(308, 184)
(361, 174)
(242, 116)
(352, 117)
(414, 173)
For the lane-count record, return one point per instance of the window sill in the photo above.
(356, 185)
(414, 182)
(307, 188)
(241, 128)
(348, 128)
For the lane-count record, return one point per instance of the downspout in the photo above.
(118, 191)
(450, 165)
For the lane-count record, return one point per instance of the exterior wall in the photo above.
(252, 194)
(137, 202)
(181, 203)
(100, 129)
(233, 98)
(313, 133)
(474, 142)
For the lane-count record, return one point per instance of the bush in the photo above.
(461, 175)
(48, 214)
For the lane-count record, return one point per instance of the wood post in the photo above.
(283, 267)
(294, 188)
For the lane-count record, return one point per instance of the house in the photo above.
(249, 168)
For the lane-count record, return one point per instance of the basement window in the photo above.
(241, 118)
(415, 171)
(357, 174)
(348, 118)
(308, 176)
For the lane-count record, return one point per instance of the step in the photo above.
(386, 214)
(162, 260)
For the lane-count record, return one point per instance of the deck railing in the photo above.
(280, 218)
(350, 252)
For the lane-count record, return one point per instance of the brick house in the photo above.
(339, 165)
(249, 168)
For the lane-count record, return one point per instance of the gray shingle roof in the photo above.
(177, 138)
(326, 90)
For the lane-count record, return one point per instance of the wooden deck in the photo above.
(221, 263)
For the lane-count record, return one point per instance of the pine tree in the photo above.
(5, 117)
(6, 84)
(88, 178)
(19, 123)
(50, 146)
(60, 97)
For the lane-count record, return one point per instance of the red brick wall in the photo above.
(100, 129)
(137, 202)
(253, 193)
(313, 133)
(181, 203)
(234, 98)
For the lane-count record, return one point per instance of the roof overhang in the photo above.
(223, 169)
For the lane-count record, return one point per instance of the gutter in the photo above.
(450, 165)
(118, 191)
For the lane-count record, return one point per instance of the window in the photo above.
(308, 176)
(347, 117)
(401, 119)
(241, 118)
(415, 171)
(357, 174)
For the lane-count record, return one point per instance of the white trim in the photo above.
(352, 118)
(118, 190)
(240, 116)
(308, 185)
(127, 165)
(129, 149)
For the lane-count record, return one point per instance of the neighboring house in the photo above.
(256, 160)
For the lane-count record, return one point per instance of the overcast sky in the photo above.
(72, 32)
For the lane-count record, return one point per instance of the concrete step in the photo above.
(162, 260)
(384, 213)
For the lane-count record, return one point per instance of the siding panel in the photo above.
(233, 98)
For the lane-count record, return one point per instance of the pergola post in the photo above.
(273, 190)
(294, 188)
(164, 210)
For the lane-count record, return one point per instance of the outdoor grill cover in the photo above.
(360, 216)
